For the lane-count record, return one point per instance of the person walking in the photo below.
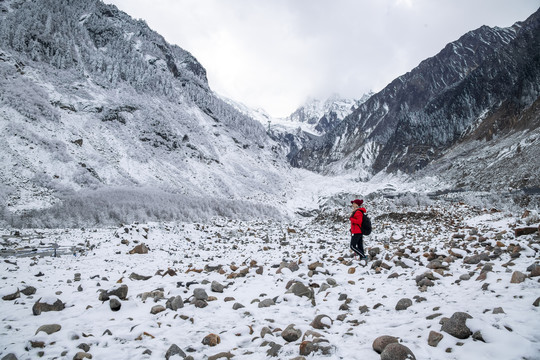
(357, 241)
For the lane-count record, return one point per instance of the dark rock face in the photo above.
(476, 87)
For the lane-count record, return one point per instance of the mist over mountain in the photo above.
(478, 91)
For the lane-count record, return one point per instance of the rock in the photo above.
(456, 325)
(525, 231)
(300, 290)
(317, 323)
(266, 303)
(211, 340)
(10, 356)
(498, 310)
(237, 306)
(200, 294)
(478, 336)
(139, 249)
(535, 270)
(82, 355)
(314, 266)
(10, 297)
(266, 331)
(121, 292)
(518, 277)
(135, 276)
(434, 338)
(39, 306)
(403, 304)
(157, 309)
(382, 341)
(174, 303)
(363, 309)
(30, 290)
(396, 351)
(221, 355)
(274, 349)
(49, 329)
(217, 287)
(174, 350)
(308, 347)
(199, 303)
(115, 304)
(291, 334)
(84, 347)
(475, 259)
(536, 302)
(156, 295)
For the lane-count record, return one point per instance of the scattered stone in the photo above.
(291, 334)
(217, 287)
(434, 338)
(84, 347)
(237, 306)
(382, 341)
(534, 269)
(536, 302)
(266, 303)
(10, 356)
(200, 294)
(478, 336)
(211, 340)
(266, 331)
(221, 355)
(11, 297)
(115, 304)
(139, 249)
(403, 304)
(82, 355)
(318, 323)
(475, 259)
(456, 325)
(309, 347)
(121, 292)
(39, 306)
(396, 351)
(174, 303)
(157, 309)
(498, 310)
(30, 290)
(135, 276)
(174, 350)
(49, 329)
(274, 349)
(518, 277)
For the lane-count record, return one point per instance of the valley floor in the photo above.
(267, 289)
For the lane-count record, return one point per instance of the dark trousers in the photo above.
(357, 244)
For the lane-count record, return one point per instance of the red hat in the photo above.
(357, 202)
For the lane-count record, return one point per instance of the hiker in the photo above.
(357, 241)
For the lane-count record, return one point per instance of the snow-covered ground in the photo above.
(259, 277)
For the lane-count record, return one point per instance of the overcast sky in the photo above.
(274, 54)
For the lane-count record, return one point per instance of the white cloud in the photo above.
(274, 54)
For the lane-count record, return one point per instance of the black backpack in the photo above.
(366, 225)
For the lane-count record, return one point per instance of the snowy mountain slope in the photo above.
(92, 99)
(483, 84)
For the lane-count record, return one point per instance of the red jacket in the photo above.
(356, 221)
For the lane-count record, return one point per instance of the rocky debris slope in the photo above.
(443, 282)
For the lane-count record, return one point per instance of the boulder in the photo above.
(403, 304)
(48, 305)
(382, 341)
(396, 351)
(291, 334)
(456, 325)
